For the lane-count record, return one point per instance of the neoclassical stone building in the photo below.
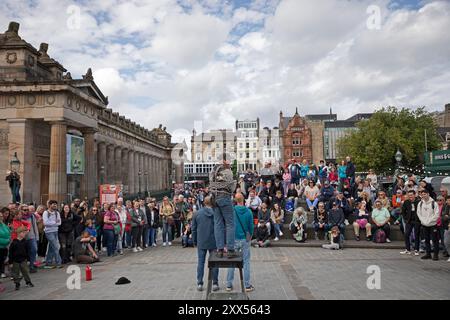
(40, 104)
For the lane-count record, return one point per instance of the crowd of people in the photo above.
(253, 211)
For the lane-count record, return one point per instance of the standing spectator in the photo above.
(397, 202)
(362, 222)
(323, 172)
(294, 171)
(312, 193)
(111, 229)
(277, 217)
(333, 176)
(262, 236)
(123, 217)
(153, 222)
(42, 243)
(18, 221)
(5, 238)
(373, 178)
(243, 232)
(445, 222)
(286, 181)
(127, 235)
(222, 187)
(304, 168)
(66, 233)
(166, 212)
(52, 221)
(342, 173)
(179, 217)
(7, 217)
(203, 238)
(32, 237)
(350, 170)
(298, 225)
(428, 214)
(336, 217)
(320, 220)
(380, 218)
(145, 227)
(137, 223)
(18, 256)
(411, 222)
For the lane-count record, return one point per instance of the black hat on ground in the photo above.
(123, 280)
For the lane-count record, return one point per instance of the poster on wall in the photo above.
(75, 154)
(109, 193)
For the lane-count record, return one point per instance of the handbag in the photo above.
(248, 236)
(116, 229)
(170, 221)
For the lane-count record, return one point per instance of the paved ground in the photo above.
(277, 273)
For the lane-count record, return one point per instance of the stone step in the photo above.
(363, 244)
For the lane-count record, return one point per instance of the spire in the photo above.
(296, 110)
(88, 75)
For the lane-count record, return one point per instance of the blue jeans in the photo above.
(312, 204)
(32, 249)
(244, 246)
(53, 248)
(277, 227)
(151, 236)
(111, 241)
(167, 232)
(224, 223)
(127, 239)
(201, 266)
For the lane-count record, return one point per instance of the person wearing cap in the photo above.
(428, 214)
(380, 219)
(262, 236)
(18, 256)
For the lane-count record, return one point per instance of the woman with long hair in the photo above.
(277, 217)
(166, 212)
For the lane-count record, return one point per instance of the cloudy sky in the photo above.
(179, 61)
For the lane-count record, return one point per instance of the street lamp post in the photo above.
(139, 175)
(146, 184)
(14, 178)
(398, 158)
(102, 174)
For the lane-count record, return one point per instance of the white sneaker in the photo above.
(281, 234)
(448, 260)
(388, 240)
(416, 253)
(3, 276)
(164, 244)
(135, 250)
(139, 249)
(170, 243)
(405, 252)
(104, 249)
(276, 239)
(346, 222)
(154, 244)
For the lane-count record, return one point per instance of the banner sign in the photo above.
(75, 154)
(109, 193)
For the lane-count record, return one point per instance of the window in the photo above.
(241, 145)
(217, 146)
(296, 141)
(243, 134)
(209, 145)
(199, 157)
(296, 153)
(254, 155)
(254, 144)
(247, 145)
(241, 155)
(209, 157)
(247, 155)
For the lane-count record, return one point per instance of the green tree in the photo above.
(374, 144)
(234, 167)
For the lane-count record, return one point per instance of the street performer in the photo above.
(222, 187)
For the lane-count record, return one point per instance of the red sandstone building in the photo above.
(296, 138)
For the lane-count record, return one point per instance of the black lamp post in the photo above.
(139, 175)
(398, 158)
(102, 174)
(14, 178)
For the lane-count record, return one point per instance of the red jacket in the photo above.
(16, 224)
(396, 204)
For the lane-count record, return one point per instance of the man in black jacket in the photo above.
(153, 222)
(262, 236)
(18, 256)
(336, 217)
(412, 222)
(350, 171)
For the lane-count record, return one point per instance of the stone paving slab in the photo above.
(278, 273)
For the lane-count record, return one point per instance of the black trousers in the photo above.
(386, 228)
(3, 255)
(65, 241)
(136, 236)
(409, 227)
(431, 233)
(42, 246)
(177, 230)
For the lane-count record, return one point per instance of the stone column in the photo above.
(118, 165)
(124, 167)
(20, 140)
(109, 168)
(152, 173)
(130, 173)
(136, 172)
(101, 162)
(58, 163)
(89, 181)
(141, 168)
(146, 172)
